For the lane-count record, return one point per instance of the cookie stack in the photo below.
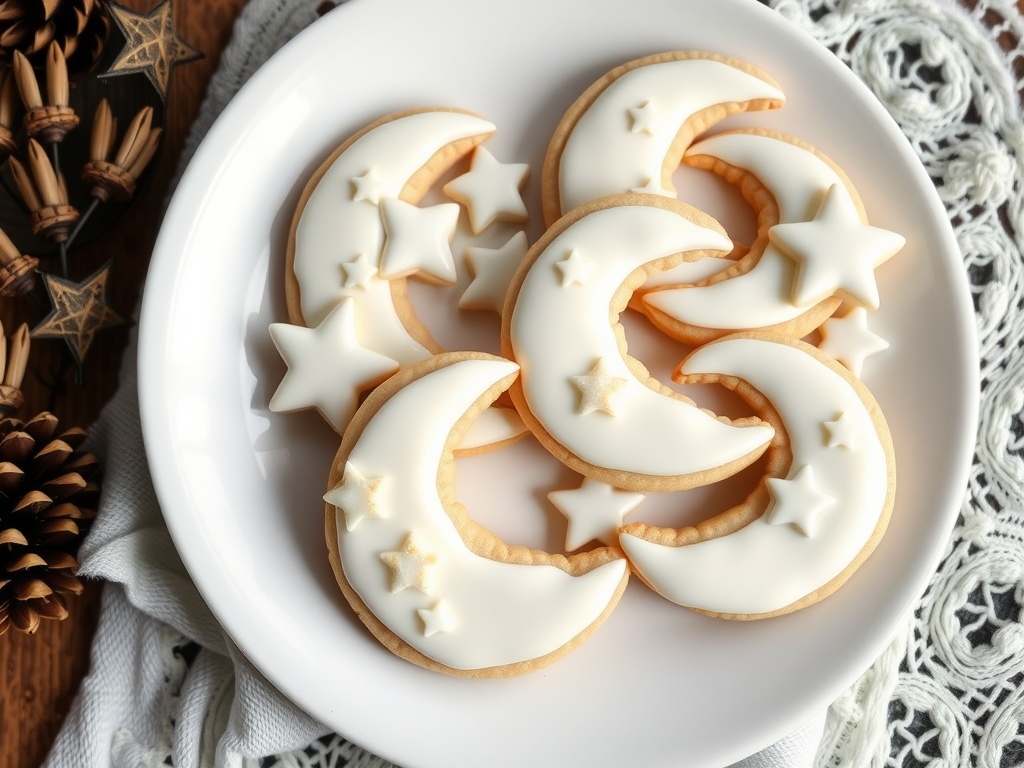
(439, 589)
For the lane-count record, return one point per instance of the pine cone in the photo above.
(47, 503)
(80, 28)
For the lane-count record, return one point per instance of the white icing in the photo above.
(797, 178)
(836, 252)
(358, 273)
(595, 511)
(358, 497)
(613, 149)
(849, 340)
(492, 427)
(842, 432)
(764, 567)
(505, 613)
(574, 269)
(492, 270)
(334, 228)
(558, 332)
(797, 501)
(437, 619)
(599, 390)
(412, 566)
(490, 191)
(418, 240)
(327, 367)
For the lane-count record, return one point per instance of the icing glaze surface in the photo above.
(492, 272)
(490, 191)
(797, 178)
(559, 330)
(621, 141)
(501, 613)
(840, 492)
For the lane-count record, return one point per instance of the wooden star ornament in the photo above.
(151, 45)
(80, 311)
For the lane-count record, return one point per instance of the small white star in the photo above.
(418, 240)
(644, 119)
(598, 390)
(358, 497)
(595, 511)
(327, 367)
(437, 619)
(492, 272)
(575, 269)
(490, 191)
(358, 273)
(842, 433)
(848, 339)
(411, 567)
(653, 187)
(369, 187)
(836, 253)
(797, 501)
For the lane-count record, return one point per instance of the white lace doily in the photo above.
(950, 691)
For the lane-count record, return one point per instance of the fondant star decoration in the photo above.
(327, 366)
(643, 119)
(491, 191)
(797, 502)
(595, 512)
(438, 618)
(836, 253)
(79, 311)
(151, 45)
(411, 566)
(368, 187)
(418, 240)
(358, 273)
(599, 390)
(849, 340)
(358, 497)
(841, 432)
(492, 270)
(575, 269)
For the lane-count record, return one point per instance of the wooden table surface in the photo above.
(39, 674)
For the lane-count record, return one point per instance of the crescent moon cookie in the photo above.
(627, 132)
(586, 400)
(433, 586)
(814, 247)
(357, 234)
(818, 513)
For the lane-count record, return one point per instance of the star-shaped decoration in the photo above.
(849, 340)
(358, 497)
(653, 187)
(439, 618)
(411, 566)
(599, 390)
(418, 240)
(492, 270)
(327, 366)
(575, 269)
(797, 502)
(841, 432)
(490, 191)
(151, 45)
(836, 253)
(595, 512)
(367, 187)
(358, 273)
(79, 312)
(644, 119)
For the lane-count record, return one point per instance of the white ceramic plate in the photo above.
(241, 487)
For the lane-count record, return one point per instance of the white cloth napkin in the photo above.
(165, 681)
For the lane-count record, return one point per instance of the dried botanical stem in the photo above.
(17, 360)
(26, 79)
(146, 154)
(57, 88)
(7, 99)
(104, 131)
(43, 173)
(8, 250)
(134, 138)
(24, 184)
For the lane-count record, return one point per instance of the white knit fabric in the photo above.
(949, 691)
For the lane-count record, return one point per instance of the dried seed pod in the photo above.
(17, 271)
(48, 121)
(115, 179)
(13, 361)
(45, 194)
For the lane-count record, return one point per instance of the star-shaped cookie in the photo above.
(492, 270)
(490, 191)
(594, 511)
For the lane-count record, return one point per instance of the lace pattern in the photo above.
(950, 689)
